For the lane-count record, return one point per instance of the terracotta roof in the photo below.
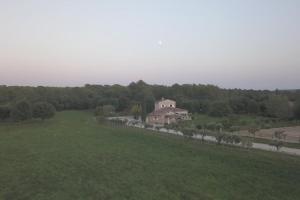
(166, 110)
(163, 99)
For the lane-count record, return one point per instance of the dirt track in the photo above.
(292, 133)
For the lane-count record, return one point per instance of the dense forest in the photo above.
(208, 99)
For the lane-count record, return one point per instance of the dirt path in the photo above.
(292, 133)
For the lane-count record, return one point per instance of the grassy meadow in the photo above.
(74, 157)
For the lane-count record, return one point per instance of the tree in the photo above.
(253, 130)
(278, 136)
(278, 106)
(136, 111)
(247, 142)
(297, 109)
(98, 111)
(219, 127)
(220, 109)
(4, 112)
(277, 144)
(43, 110)
(21, 111)
(201, 131)
(220, 137)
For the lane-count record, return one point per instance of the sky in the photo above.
(248, 44)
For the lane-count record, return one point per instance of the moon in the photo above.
(159, 43)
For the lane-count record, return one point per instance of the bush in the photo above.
(188, 132)
(4, 112)
(21, 111)
(277, 144)
(43, 110)
(297, 109)
(228, 138)
(98, 111)
(220, 137)
(148, 126)
(211, 126)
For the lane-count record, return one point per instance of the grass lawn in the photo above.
(73, 157)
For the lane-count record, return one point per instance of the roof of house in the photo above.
(166, 110)
(163, 99)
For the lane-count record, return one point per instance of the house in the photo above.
(165, 112)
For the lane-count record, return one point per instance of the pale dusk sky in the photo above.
(229, 43)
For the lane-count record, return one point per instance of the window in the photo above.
(171, 105)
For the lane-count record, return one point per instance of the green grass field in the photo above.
(73, 157)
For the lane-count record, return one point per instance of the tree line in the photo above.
(196, 98)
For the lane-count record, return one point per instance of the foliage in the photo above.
(278, 136)
(136, 111)
(297, 109)
(278, 106)
(277, 143)
(43, 110)
(189, 132)
(219, 127)
(201, 99)
(4, 112)
(21, 111)
(211, 126)
(220, 109)
(253, 130)
(220, 137)
(98, 111)
(105, 110)
(108, 110)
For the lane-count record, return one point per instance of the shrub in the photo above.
(277, 143)
(43, 110)
(4, 112)
(148, 126)
(21, 111)
(220, 137)
(188, 132)
(98, 111)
